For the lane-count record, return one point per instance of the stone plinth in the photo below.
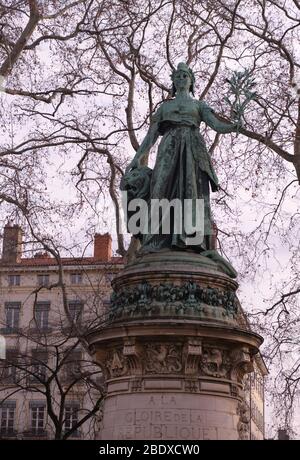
(174, 353)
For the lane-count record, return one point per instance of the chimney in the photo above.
(102, 247)
(12, 244)
(42, 255)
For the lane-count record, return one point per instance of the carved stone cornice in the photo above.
(151, 328)
(116, 363)
(133, 352)
(242, 363)
(215, 362)
(163, 358)
(192, 356)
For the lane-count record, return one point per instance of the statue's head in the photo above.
(182, 72)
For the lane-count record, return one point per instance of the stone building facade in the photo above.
(255, 397)
(254, 386)
(35, 293)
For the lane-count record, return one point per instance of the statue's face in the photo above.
(182, 80)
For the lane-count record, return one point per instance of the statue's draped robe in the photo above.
(183, 168)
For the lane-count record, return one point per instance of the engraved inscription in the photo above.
(163, 400)
(170, 416)
(165, 432)
(156, 416)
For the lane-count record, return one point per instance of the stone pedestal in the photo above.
(174, 352)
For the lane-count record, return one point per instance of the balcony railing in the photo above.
(10, 330)
(35, 433)
(8, 433)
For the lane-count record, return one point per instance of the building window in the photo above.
(38, 366)
(71, 418)
(43, 280)
(75, 310)
(37, 417)
(73, 366)
(14, 280)
(7, 417)
(8, 367)
(76, 278)
(12, 311)
(41, 315)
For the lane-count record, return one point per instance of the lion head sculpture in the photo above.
(137, 183)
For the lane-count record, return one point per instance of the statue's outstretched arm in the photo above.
(144, 149)
(213, 122)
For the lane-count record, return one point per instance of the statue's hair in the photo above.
(186, 68)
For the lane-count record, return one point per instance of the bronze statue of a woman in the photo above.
(183, 168)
